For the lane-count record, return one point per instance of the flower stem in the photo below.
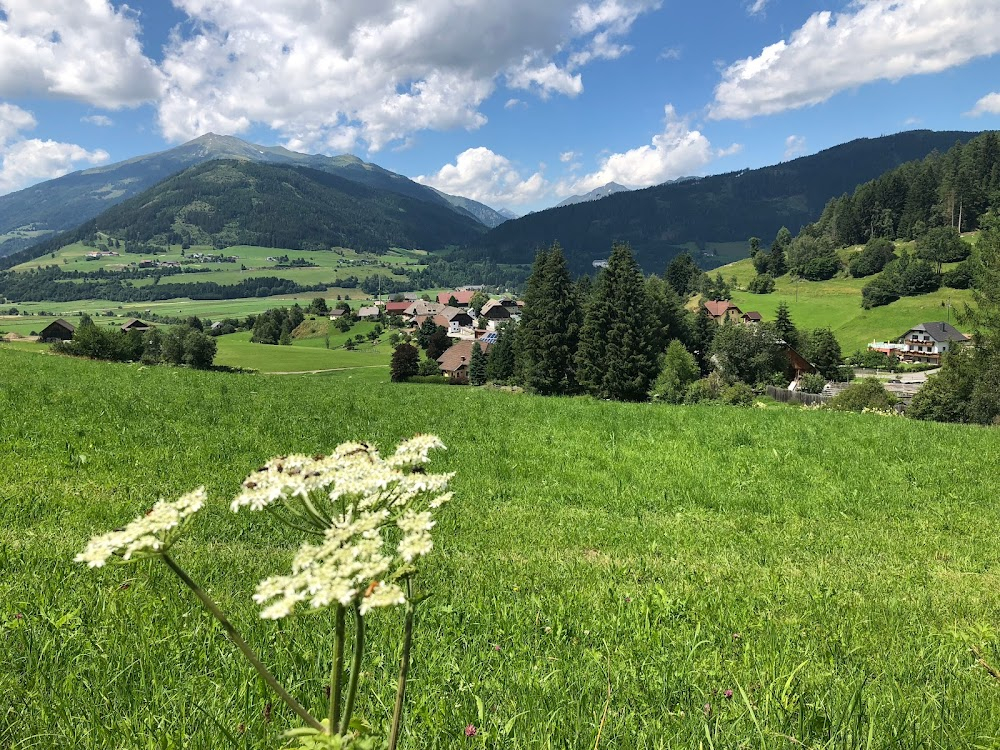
(337, 672)
(235, 637)
(352, 686)
(404, 666)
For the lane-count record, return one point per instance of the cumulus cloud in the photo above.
(676, 152)
(375, 71)
(84, 51)
(988, 105)
(24, 161)
(101, 121)
(490, 178)
(795, 145)
(875, 40)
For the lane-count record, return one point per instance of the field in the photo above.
(604, 575)
(837, 304)
(235, 350)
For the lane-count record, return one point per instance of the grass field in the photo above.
(236, 350)
(605, 573)
(837, 304)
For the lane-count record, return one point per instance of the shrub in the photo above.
(762, 283)
(738, 394)
(405, 363)
(680, 369)
(867, 393)
(812, 383)
(429, 366)
(707, 389)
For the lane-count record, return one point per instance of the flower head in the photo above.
(149, 534)
(471, 731)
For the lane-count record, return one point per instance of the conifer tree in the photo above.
(501, 364)
(667, 311)
(477, 365)
(785, 328)
(550, 327)
(616, 358)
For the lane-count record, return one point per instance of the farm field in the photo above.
(236, 350)
(837, 303)
(605, 575)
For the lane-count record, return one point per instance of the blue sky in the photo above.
(517, 103)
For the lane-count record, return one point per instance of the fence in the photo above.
(785, 396)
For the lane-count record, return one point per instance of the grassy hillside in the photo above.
(837, 304)
(604, 568)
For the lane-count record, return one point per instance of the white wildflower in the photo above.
(153, 532)
(382, 595)
(413, 452)
(440, 500)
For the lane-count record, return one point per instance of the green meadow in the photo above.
(604, 577)
(836, 304)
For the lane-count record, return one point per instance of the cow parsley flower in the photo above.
(150, 534)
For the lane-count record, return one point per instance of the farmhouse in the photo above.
(135, 324)
(495, 310)
(722, 310)
(337, 313)
(57, 330)
(420, 308)
(454, 363)
(926, 342)
(462, 297)
(368, 313)
(396, 308)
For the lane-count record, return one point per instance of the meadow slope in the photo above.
(604, 568)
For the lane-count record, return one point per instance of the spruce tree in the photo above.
(785, 328)
(616, 358)
(667, 310)
(500, 365)
(477, 365)
(550, 327)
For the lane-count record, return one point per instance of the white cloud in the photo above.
(13, 120)
(988, 105)
(85, 51)
(876, 40)
(371, 72)
(795, 145)
(25, 161)
(756, 7)
(101, 121)
(567, 156)
(490, 178)
(511, 103)
(670, 53)
(676, 152)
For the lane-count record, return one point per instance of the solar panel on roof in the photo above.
(491, 338)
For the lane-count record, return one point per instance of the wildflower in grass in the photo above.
(728, 694)
(151, 534)
(707, 709)
(471, 731)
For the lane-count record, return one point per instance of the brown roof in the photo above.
(396, 308)
(755, 316)
(423, 307)
(462, 298)
(496, 303)
(459, 355)
(134, 324)
(58, 324)
(368, 312)
(719, 308)
(450, 313)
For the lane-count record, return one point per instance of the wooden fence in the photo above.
(785, 396)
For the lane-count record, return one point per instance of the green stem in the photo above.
(235, 637)
(352, 686)
(404, 666)
(337, 673)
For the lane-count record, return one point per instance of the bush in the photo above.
(428, 366)
(762, 283)
(706, 389)
(812, 383)
(867, 393)
(738, 394)
(680, 369)
(405, 363)
(873, 258)
(960, 277)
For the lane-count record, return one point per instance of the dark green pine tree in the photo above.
(501, 364)
(550, 327)
(785, 328)
(617, 357)
(477, 365)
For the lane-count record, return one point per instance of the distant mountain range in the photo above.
(66, 202)
(662, 221)
(596, 194)
(240, 202)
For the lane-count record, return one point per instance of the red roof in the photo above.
(396, 308)
(720, 308)
(463, 298)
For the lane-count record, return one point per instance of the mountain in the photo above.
(596, 194)
(662, 221)
(240, 202)
(482, 213)
(65, 202)
(506, 213)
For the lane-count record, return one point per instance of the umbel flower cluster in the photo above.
(372, 514)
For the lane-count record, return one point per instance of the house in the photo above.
(722, 310)
(462, 298)
(57, 330)
(396, 308)
(751, 318)
(450, 318)
(337, 313)
(799, 364)
(454, 363)
(368, 313)
(135, 324)
(422, 308)
(926, 342)
(495, 310)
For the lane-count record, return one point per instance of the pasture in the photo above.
(608, 575)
